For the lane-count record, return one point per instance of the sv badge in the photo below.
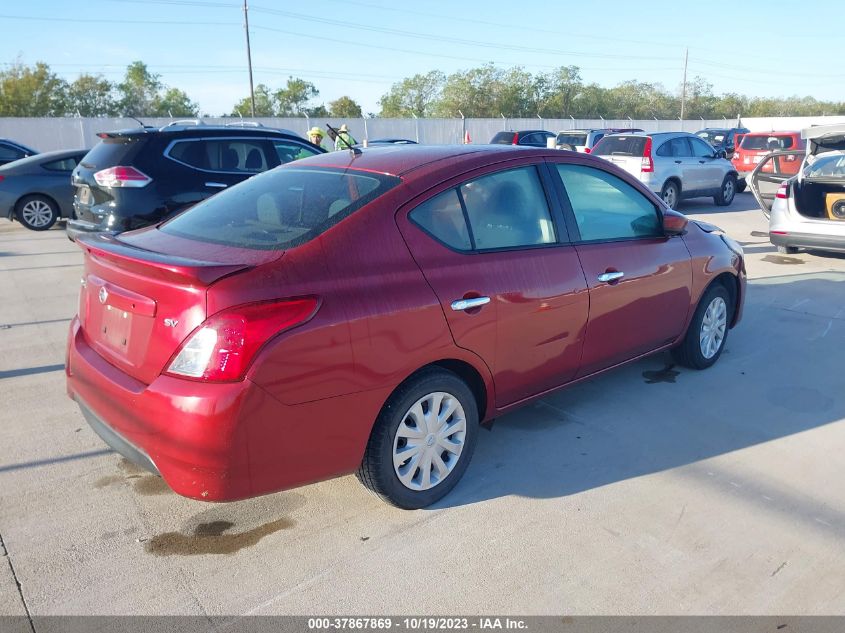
(171, 322)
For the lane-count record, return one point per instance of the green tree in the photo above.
(558, 91)
(413, 96)
(263, 103)
(174, 102)
(32, 91)
(344, 108)
(91, 95)
(292, 100)
(138, 90)
(318, 111)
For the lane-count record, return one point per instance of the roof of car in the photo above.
(199, 130)
(399, 160)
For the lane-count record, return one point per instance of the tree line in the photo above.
(482, 92)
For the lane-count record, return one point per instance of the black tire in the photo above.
(689, 353)
(726, 192)
(741, 185)
(787, 250)
(671, 193)
(377, 471)
(36, 212)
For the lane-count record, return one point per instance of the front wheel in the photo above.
(37, 213)
(422, 441)
(741, 185)
(670, 194)
(726, 192)
(708, 331)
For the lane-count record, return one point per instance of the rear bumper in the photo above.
(218, 441)
(77, 228)
(808, 240)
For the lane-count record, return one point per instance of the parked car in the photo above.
(676, 165)
(11, 151)
(138, 177)
(258, 341)
(531, 138)
(723, 139)
(807, 209)
(584, 140)
(755, 145)
(36, 191)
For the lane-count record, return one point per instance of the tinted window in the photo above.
(228, 155)
(443, 217)
(700, 149)
(714, 137)
(606, 207)
(288, 151)
(508, 209)
(7, 152)
(503, 138)
(620, 146)
(280, 208)
(111, 151)
(677, 147)
(572, 138)
(764, 142)
(63, 164)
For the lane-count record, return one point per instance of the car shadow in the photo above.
(780, 374)
(706, 206)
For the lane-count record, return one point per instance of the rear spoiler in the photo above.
(167, 267)
(138, 131)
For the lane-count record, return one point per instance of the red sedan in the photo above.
(365, 312)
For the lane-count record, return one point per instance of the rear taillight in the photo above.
(2, 178)
(515, 140)
(647, 164)
(587, 150)
(222, 348)
(783, 191)
(122, 177)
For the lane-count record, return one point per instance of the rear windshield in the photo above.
(572, 139)
(503, 138)
(110, 152)
(770, 143)
(279, 209)
(714, 137)
(620, 146)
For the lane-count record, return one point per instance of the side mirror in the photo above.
(674, 223)
(720, 153)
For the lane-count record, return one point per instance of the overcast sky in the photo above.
(361, 47)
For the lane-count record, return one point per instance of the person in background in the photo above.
(343, 133)
(316, 136)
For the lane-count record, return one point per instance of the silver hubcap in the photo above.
(37, 213)
(429, 441)
(728, 191)
(713, 327)
(669, 196)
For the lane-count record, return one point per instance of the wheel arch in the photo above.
(731, 283)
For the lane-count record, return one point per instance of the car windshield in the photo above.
(279, 209)
(620, 146)
(828, 165)
(572, 138)
(714, 137)
(503, 138)
(764, 142)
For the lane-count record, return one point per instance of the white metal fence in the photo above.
(47, 134)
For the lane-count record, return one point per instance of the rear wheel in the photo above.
(422, 441)
(37, 213)
(727, 192)
(671, 193)
(708, 331)
(788, 250)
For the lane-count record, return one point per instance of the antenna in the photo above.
(129, 116)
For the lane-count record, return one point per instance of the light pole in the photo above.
(249, 58)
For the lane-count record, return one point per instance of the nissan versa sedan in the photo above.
(807, 209)
(364, 312)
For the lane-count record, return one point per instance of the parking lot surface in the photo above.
(650, 490)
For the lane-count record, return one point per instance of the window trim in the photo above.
(172, 143)
(569, 213)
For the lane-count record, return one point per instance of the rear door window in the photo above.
(606, 208)
(225, 155)
(443, 218)
(281, 208)
(700, 149)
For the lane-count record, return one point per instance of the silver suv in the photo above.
(676, 165)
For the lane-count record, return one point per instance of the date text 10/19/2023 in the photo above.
(416, 624)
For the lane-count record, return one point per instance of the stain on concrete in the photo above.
(667, 374)
(212, 539)
(781, 259)
(102, 482)
(129, 468)
(150, 485)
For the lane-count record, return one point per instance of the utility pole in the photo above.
(249, 58)
(683, 87)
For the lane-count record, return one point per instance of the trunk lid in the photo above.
(139, 300)
(625, 151)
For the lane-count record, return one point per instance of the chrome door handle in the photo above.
(467, 304)
(221, 185)
(610, 276)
